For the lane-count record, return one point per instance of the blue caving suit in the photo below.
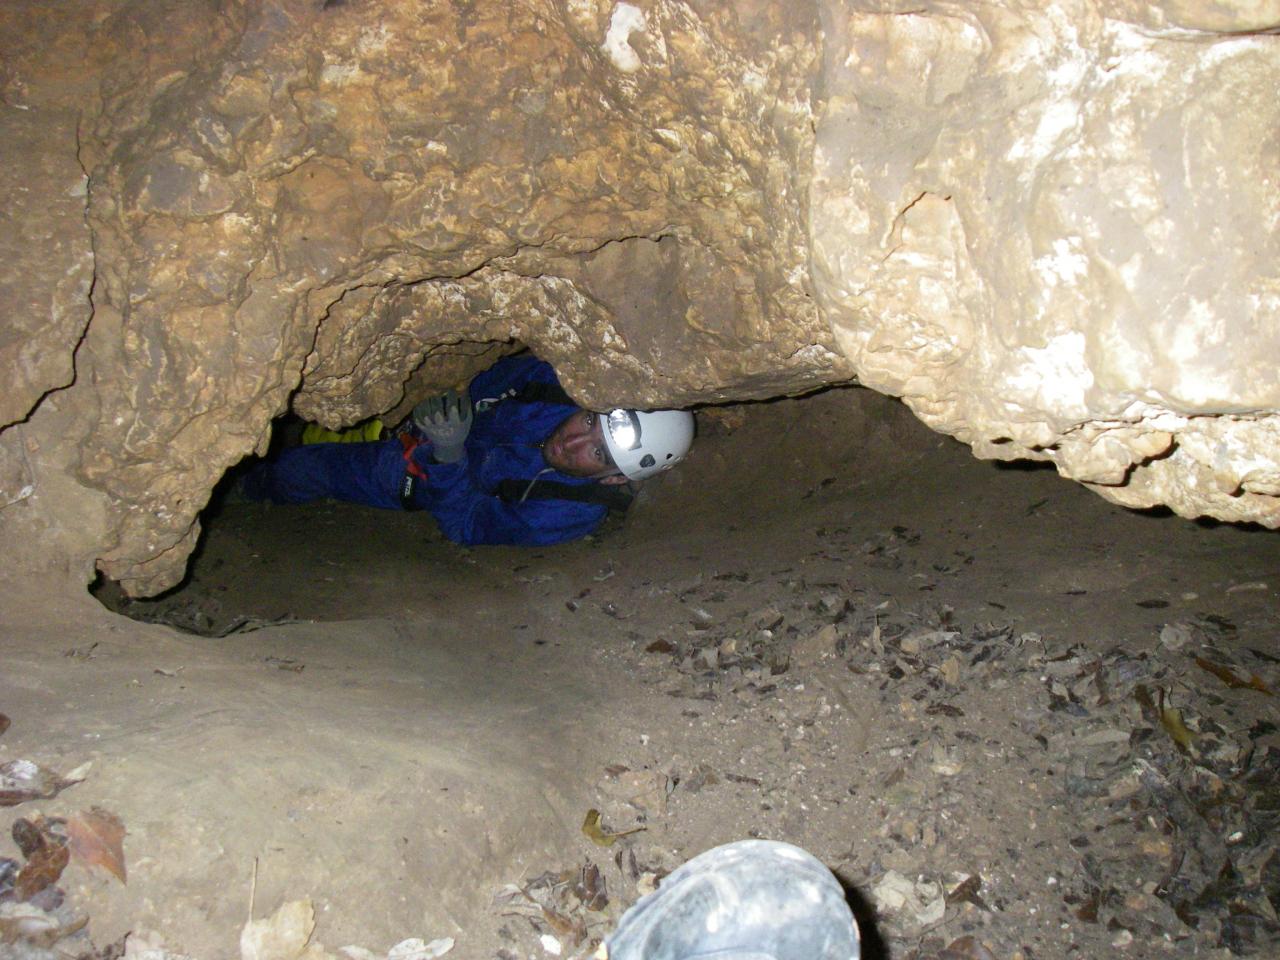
(504, 444)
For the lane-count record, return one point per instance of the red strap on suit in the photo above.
(411, 443)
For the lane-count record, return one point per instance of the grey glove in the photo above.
(446, 421)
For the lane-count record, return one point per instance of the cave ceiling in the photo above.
(1050, 227)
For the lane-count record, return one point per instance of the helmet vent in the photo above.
(647, 460)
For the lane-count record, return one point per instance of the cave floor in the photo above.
(1021, 721)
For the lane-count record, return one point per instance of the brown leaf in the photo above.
(1229, 677)
(558, 921)
(967, 892)
(660, 646)
(1143, 696)
(590, 888)
(97, 840)
(38, 930)
(22, 780)
(27, 836)
(1088, 912)
(4, 724)
(572, 928)
(47, 858)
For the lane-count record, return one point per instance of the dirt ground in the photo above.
(1017, 721)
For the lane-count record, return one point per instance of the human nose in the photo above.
(585, 438)
(579, 441)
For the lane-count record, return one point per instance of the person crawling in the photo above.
(512, 460)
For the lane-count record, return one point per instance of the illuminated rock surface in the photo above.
(1051, 228)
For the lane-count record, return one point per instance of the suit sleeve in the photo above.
(471, 517)
(509, 373)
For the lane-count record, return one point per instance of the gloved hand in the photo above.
(446, 421)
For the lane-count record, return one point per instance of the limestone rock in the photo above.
(1052, 229)
(1049, 225)
(46, 262)
(317, 197)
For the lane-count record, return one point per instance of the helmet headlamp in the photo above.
(645, 442)
(624, 428)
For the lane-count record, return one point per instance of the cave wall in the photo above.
(1053, 230)
(1050, 227)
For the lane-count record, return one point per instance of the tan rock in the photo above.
(358, 208)
(46, 260)
(1050, 226)
(1052, 230)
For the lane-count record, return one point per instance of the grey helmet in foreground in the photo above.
(645, 442)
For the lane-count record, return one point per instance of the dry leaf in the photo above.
(28, 837)
(97, 840)
(1148, 706)
(1171, 720)
(590, 888)
(1228, 676)
(559, 922)
(112, 951)
(967, 892)
(596, 833)
(34, 927)
(22, 780)
(47, 856)
(923, 900)
(4, 724)
(1251, 585)
(282, 936)
(416, 949)
(1088, 912)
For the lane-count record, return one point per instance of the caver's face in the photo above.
(577, 448)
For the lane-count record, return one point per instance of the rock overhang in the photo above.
(1050, 228)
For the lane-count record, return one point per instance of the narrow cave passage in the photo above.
(830, 626)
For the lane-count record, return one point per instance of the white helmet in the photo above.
(645, 442)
